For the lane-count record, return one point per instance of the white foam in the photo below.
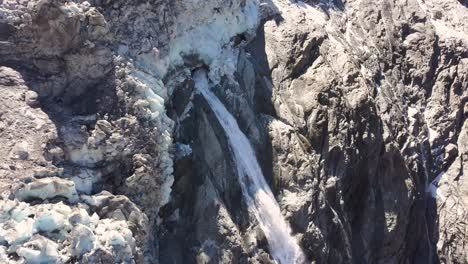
(433, 187)
(283, 246)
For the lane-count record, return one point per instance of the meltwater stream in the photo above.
(257, 193)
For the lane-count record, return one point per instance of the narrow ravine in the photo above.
(261, 202)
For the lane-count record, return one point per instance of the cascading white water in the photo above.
(257, 193)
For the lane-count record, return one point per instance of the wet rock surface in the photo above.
(356, 111)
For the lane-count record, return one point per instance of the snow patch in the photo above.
(451, 17)
(446, 31)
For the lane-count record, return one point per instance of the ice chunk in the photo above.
(4, 256)
(20, 224)
(49, 222)
(80, 216)
(85, 180)
(203, 33)
(114, 238)
(86, 156)
(114, 233)
(83, 240)
(17, 232)
(48, 188)
(14, 210)
(39, 250)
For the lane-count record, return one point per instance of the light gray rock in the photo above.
(31, 98)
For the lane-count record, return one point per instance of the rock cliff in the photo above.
(356, 110)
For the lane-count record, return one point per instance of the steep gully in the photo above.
(257, 193)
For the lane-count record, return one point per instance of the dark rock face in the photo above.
(359, 125)
(356, 111)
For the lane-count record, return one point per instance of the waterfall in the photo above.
(260, 200)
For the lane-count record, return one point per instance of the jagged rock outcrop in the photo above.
(356, 110)
(345, 93)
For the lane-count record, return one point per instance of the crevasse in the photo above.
(260, 200)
